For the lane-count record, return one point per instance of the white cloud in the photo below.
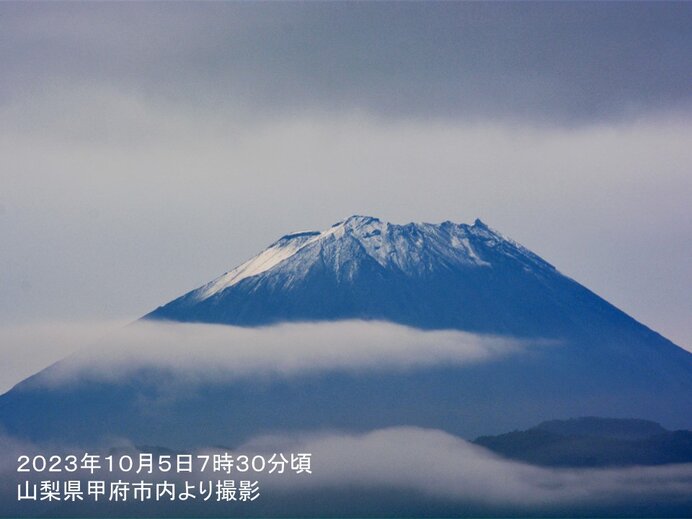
(28, 348)
(441, 465)
(223, 352)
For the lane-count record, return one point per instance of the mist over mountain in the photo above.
(579, 355)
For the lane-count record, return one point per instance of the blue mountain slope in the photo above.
(428, 276)
(446, 276)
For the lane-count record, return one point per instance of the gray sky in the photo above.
(147, 148)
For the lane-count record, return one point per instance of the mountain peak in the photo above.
(363, 244)
(356, 225)
(410, 248)
(358, 220)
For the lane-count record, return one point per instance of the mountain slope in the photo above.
(429, 276)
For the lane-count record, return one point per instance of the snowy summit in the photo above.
(445, 275)
(411, 248)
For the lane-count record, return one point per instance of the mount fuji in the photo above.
(591, 359)
(446, 276)
(422, 275)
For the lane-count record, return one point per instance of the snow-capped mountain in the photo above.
(596, 361)
(447, 275)
(410, 249)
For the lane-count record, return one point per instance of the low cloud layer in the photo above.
(217, 351)
(431, 465)
(28, 348)
(441, 465)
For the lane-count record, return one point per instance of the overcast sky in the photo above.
(147, 148)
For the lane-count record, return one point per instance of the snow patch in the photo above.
(264, 261)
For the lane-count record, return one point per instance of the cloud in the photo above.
(414, 466)
(225, 352)
(563, 62)
(441, 465)
(29, 348)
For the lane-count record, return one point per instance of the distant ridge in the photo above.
(594, 442)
